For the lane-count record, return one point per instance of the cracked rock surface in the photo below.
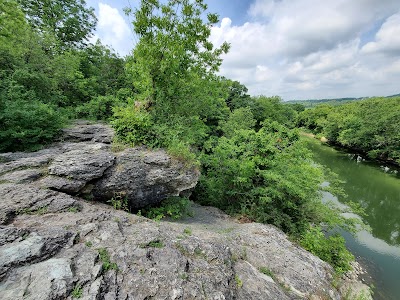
(55, 245)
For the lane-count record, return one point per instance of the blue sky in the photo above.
(297, 49)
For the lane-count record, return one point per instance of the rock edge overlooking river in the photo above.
(56, 245)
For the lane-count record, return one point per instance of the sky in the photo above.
(296, 49)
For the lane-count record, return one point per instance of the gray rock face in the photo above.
(18, 199)
(102, 253)
(85, 131)
(55, 245)
(145, 177)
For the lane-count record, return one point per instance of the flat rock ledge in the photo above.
(56, 245)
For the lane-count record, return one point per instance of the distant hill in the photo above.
(315, 102)
(337, 101)
(396, 95)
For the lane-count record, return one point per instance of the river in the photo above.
(376, 188)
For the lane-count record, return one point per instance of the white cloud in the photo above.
(387, 38)
(113, 30)
(308, 49)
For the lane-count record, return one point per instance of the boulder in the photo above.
(145, 177)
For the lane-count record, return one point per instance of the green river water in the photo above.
(377, 189)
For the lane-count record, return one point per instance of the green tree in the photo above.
(69, 21)
(272, 108)
(173, 50)
(370, 126)
(238, 96)
(12, 20)
(241, 118)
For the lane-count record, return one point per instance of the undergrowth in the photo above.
(172, 207)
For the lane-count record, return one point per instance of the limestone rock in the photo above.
(83, 131)
(107, 254)
(83, 164)
(19, 199)
(22, 176)
(50, 279)
(62, 184)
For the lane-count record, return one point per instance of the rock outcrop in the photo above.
(56, 245)
(83, 164)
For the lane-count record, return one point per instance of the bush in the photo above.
(241, 118)
(267, 175)
(98, 108)
(172, 207)
(27, 125)
(331, 249)
(133, 126)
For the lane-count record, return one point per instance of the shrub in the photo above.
(133, 126)
(241, 118)
(266, 175)
(98, 108)
(331, 249)
(27, 125)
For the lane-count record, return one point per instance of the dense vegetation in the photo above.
(165, 94)
(48, 72)
(370, 126)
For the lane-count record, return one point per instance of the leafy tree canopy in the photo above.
(173, 50)
(70, 21)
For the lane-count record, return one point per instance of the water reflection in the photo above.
(377, 191)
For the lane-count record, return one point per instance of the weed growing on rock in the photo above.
(120, 202)
(153, 244)
(40, 211)
(239, 282)
(267, 272)
(105, 258)
(187, 231)
(181, 249)
(199, 253)
(73, 209)
(77, 292)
